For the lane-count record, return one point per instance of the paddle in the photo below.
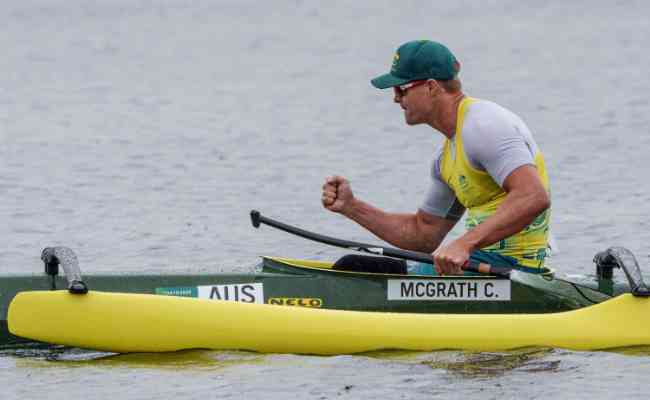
(257, 218)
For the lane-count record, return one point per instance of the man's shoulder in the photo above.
(496, 140)
(487, 118)
(485, 110)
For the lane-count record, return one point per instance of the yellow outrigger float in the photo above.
(119, 322)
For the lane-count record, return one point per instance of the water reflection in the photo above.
(496, 364)
(60, 356)
(196, 359)
(463, 363)
(482, 364)
(642, 351)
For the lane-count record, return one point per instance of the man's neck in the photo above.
(447, 114)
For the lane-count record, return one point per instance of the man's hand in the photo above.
(449, 259)
(337, 194)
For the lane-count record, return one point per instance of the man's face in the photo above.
(417, 100)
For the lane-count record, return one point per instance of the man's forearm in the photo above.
(400, 230)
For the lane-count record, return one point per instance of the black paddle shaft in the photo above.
(257, 218)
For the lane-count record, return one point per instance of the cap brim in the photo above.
(387, 81)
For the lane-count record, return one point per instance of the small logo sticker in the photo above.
(296, 301)
(244, 292)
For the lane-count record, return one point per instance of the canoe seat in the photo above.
(370, 264)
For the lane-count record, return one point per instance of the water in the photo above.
(141, 133)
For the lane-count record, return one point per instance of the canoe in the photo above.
(308, 283)
(525, 304)
(306, 306)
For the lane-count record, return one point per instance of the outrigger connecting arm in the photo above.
(620, 257)
(55, 256)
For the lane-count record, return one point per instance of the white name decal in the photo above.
(449, 289)
(244, 292)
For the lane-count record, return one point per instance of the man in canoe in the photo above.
(489, 166)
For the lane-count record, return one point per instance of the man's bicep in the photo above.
(525, 178)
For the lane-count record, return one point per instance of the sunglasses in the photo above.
(402, 89)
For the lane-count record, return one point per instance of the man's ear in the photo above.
(433, 86)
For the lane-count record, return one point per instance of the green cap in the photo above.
(418, 60)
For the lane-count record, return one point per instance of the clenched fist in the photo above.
(337, 194)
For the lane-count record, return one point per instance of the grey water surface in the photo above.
(141, 133)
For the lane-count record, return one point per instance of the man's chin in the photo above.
(411, 121)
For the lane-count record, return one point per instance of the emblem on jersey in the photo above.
(462, 182)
